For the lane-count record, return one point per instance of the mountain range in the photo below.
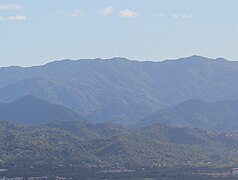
(217, 116)
(98, 118)
(119, 90)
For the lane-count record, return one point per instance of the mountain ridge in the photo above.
(89, 87)
(114, 58)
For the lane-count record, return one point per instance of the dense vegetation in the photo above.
(108, 148)
(39, 137)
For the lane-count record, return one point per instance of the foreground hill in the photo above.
(121, 90)
(64, 147)
(219, 116)
(87, 130)
(32, 110)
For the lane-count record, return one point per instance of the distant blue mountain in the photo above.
(31, 110)
(120, 90)
(218, 116)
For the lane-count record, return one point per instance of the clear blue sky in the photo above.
(38, 31)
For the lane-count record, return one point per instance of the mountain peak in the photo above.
(32, 110)
(221, 59)
(194, 58)
(198, 57)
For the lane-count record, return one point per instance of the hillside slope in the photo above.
(196, 113)
(120, 90)
(157, 145)
(32, 110)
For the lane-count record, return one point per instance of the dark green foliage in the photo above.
(161, 145)
(70, 148)
(33, 145)
(87, 130)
